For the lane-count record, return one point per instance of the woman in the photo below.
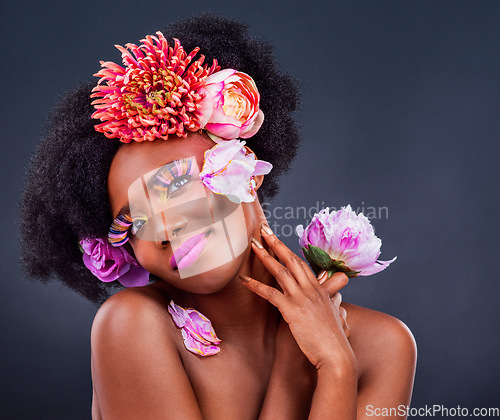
(283, 345)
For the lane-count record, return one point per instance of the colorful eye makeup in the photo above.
(167, 181)
(118, 232)
(171, 177)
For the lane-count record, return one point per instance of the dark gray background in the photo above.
(400, 110)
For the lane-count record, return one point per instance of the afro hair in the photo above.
(65, 196)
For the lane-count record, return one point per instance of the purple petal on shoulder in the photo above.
(203, 326)
(194, 346)
(179, 315)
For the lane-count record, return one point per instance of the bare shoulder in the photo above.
(378, 338)
(126, 313)
(386, 353)
(136, 367)
(132, 318)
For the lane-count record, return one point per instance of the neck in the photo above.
(235, 311)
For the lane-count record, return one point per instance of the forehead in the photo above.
(135, 159)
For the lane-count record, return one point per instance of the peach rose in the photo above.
(235, 100)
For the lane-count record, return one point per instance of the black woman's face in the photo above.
(181, 232)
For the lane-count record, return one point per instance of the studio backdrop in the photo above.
(399, 118)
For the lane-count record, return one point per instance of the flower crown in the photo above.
(162, 90)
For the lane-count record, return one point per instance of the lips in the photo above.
(189, 251)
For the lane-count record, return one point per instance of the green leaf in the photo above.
(305, 252)
(311, 261)
(340, 266)
(320, 257)
(320, 260)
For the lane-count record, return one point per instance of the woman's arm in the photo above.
(316, 325)
(386, 354)
(136, 368)
(292, 381)
(293, 377)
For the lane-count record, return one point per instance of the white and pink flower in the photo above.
(229, 168)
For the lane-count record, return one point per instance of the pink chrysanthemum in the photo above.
(156, 94)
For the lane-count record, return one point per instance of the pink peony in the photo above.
(348, 240)
(229, 169)
(236, 112)
(197, 331)
(110, 263)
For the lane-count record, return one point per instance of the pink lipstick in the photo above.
(189, 251)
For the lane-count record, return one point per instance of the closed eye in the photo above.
(178, 183)
(137, 223)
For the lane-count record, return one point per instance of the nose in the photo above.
(168, 228)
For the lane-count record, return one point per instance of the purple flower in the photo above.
(110, 263)
(348, 240)
(229, 169)
(197, 331)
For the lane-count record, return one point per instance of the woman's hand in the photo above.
(288, 353)
(332, 285)
(315, 321)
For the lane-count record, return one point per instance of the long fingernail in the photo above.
(257, 243)
(322, 276)
(245, 278)
(266, 229)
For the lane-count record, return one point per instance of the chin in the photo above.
(204, 282)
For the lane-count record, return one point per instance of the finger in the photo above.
(302, 273)
(336, 299)
(343, 313)
(345, 326)
(292, 261)
(347, 331)
(272, 295)
(281, 273)
(336, 282)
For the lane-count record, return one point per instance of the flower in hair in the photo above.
(236, 112)
(342, 241)
(156, 94)
(229, 168)
(110, 263)
(162, 91)
(197, 331)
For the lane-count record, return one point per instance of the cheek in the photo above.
(143, 253)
